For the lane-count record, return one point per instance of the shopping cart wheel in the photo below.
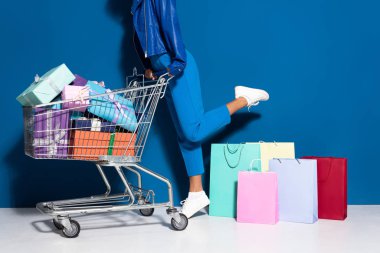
(179, 226)
(58, 225)
(74, 231)
(147, 211)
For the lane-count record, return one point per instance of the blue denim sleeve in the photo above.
(167, 17)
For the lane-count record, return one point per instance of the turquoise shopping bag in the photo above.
(226, 161)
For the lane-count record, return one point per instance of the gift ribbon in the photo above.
(118, 106)
(96, 125)
(83, 92)
(110, 147)
(54, 137)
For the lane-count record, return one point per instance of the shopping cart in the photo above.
(73, 130)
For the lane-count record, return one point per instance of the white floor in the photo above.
(26, 230)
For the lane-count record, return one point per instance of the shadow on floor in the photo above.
(105, 221)
(37, 180)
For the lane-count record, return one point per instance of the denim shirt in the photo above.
(157, 28)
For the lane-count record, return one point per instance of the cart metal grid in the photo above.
(73, 130)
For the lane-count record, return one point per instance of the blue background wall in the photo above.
(319, 60)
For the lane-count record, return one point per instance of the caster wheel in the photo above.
(147, 211)
(74, 232)
(58, 225)
(179, 226)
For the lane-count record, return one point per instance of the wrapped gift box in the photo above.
(114, 108)
(50, 136)
(76, 115)
(79, 81)
(80, 94)
(95, 124)
(44, 89)
(88, 145)
(122, 144)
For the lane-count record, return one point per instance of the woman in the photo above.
(159, 44)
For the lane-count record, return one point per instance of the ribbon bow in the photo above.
(83, 92)
(119, 106)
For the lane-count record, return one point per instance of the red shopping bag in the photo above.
(332, 187)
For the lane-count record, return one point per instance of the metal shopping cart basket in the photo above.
(77, 130)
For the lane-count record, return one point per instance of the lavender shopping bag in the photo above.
(257, 200)
(50, 138)
(297, 189)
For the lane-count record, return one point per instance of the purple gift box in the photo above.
(79, 81)
(50, 139)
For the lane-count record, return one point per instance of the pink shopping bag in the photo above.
(257, 200)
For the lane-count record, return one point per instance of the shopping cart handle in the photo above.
(166, 77)
(137, 80)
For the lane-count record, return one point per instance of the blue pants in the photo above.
(192, 123)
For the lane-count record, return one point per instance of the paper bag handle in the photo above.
(251, 165)
(231, 151)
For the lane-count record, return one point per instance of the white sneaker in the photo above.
(194, 203)
(253, 96)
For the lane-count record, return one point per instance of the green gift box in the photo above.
(226, 162)
(45, 88)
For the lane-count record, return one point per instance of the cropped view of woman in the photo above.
(161, 49)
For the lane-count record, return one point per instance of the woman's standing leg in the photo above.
(185, 104)
(191, 151)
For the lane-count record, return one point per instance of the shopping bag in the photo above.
(270, 150)
(226, 161)
(297, 189)
(332, 187)
(257, 200)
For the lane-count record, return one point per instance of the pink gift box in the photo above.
(80, 93)
(257, 200)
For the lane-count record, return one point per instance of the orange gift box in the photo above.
(121, 143)
(89, 145)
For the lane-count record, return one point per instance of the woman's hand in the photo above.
(149, 74)
(170, 75)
